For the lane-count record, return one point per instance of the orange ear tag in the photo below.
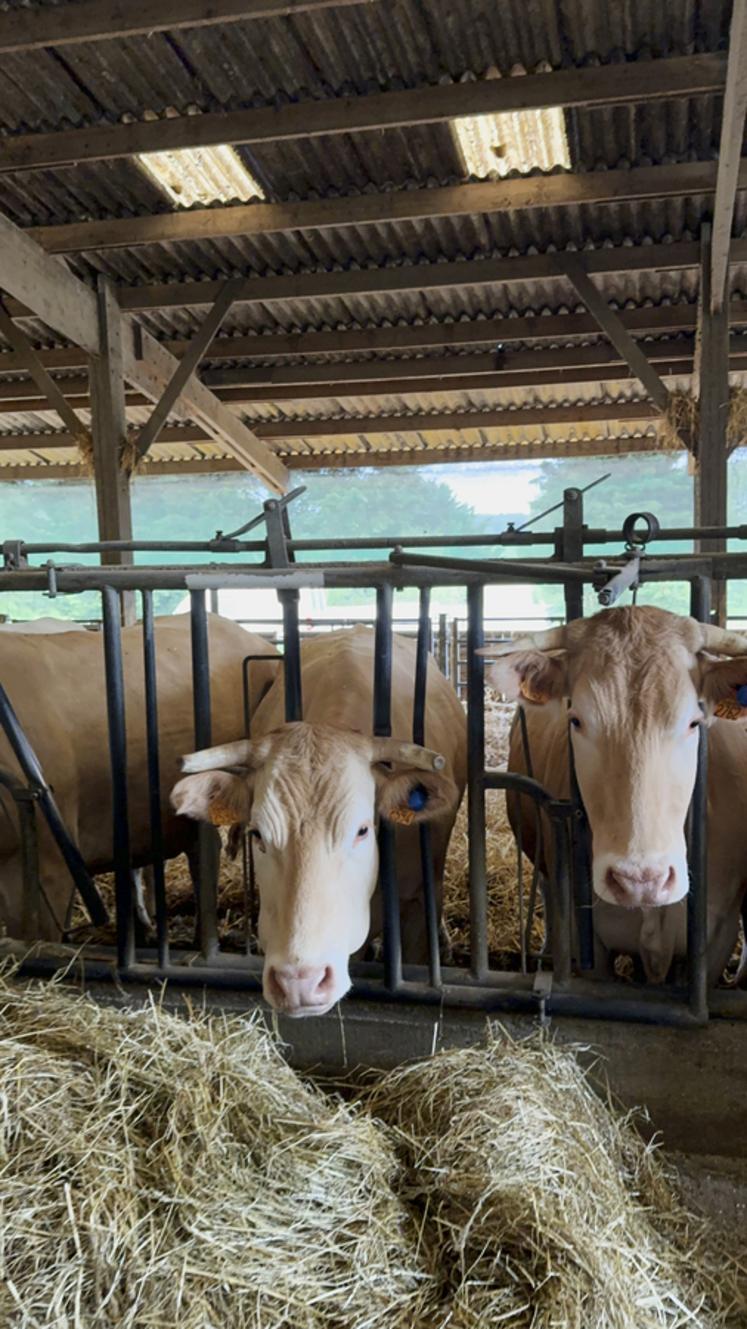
(401, 816)
(531, 694)
(732, 708)
(221, 815)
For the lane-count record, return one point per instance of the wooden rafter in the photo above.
(150, 367)
(402, 279)
(338, 460)
(50, 389)
(613, 327)
(730, 150)
(102, 20)
(47, 288)
(635, 81)
(543, 191)
(186, 367)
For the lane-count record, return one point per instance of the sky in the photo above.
(491, 487)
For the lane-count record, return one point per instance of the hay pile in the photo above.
(158, 1171)
(544, 1207)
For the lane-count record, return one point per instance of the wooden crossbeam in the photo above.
(730, 150)
(103, 20)
(149, 366)
(612, 325)
(186, 367)
(402, 279)
(618, 84)
(337, 461)
(50, 389)
(681, 179)
(47, 288)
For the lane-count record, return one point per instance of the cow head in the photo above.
(638, 683)
(311, 796)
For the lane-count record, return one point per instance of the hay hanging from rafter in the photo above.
(130, 460)
(679, 422)
(736, 430)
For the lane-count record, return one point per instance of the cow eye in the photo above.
(575, 722)
(362, 833)
(257, 839)
(695, 724)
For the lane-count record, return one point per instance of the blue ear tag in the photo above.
(742, 695)
(417, 798)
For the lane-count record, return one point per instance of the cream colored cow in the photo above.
(635, 684)
(312, 793)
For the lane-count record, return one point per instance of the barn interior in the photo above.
(286, 237)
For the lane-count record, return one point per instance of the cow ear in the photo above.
(529, 675)
(408, 796)
(214, 796)
(723, 688)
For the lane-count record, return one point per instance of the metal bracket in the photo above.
(14, 555)
(542, 990)
(635, 538)
(608, 587)
(51, 590)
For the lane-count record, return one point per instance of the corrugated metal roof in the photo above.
(381, 45)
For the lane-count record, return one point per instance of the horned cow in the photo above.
(635, 684)
(312, 793)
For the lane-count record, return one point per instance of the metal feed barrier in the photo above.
(549, 983)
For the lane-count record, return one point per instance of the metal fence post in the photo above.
(572, 549)
(382, 727)
(208, 839)
(115, 705)
(478, 896)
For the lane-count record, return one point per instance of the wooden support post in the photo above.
(187, 365)
(711, 463)
(109, 427)
(729, 154)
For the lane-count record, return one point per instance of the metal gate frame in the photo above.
(480, 987)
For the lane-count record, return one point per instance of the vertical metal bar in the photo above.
(697, 899)
(115, 707)
(572, 548)
(559, 901)
(430, 903)
(454, 670)
(583, 894)
(443, 657)
(382, 727)
(208, 839)
(291, 656)
(214, 601)
(154, 776)
(32, 895)
(478, 895)
(700, 599)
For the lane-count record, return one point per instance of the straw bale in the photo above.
(157, 1171)
(544, 1206)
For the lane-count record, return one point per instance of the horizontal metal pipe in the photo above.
(592, 535)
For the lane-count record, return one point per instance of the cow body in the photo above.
(311, 794)
(635, 685)
(42, 627)
(56, 685)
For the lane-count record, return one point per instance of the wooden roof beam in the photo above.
(331, 461)
(47, 288)
(730, 150)
(103, 20)
(149, 366)
(679, 180)
(186, 367)
(51, 391)
(633, 81)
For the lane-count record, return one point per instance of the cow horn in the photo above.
(551, 639)
(214, 759)
(407, 754)
(722, 642)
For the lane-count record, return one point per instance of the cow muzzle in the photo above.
(299, 990)
(641, 885)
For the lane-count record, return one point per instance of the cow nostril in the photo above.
(276, 986)
(326, 982)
